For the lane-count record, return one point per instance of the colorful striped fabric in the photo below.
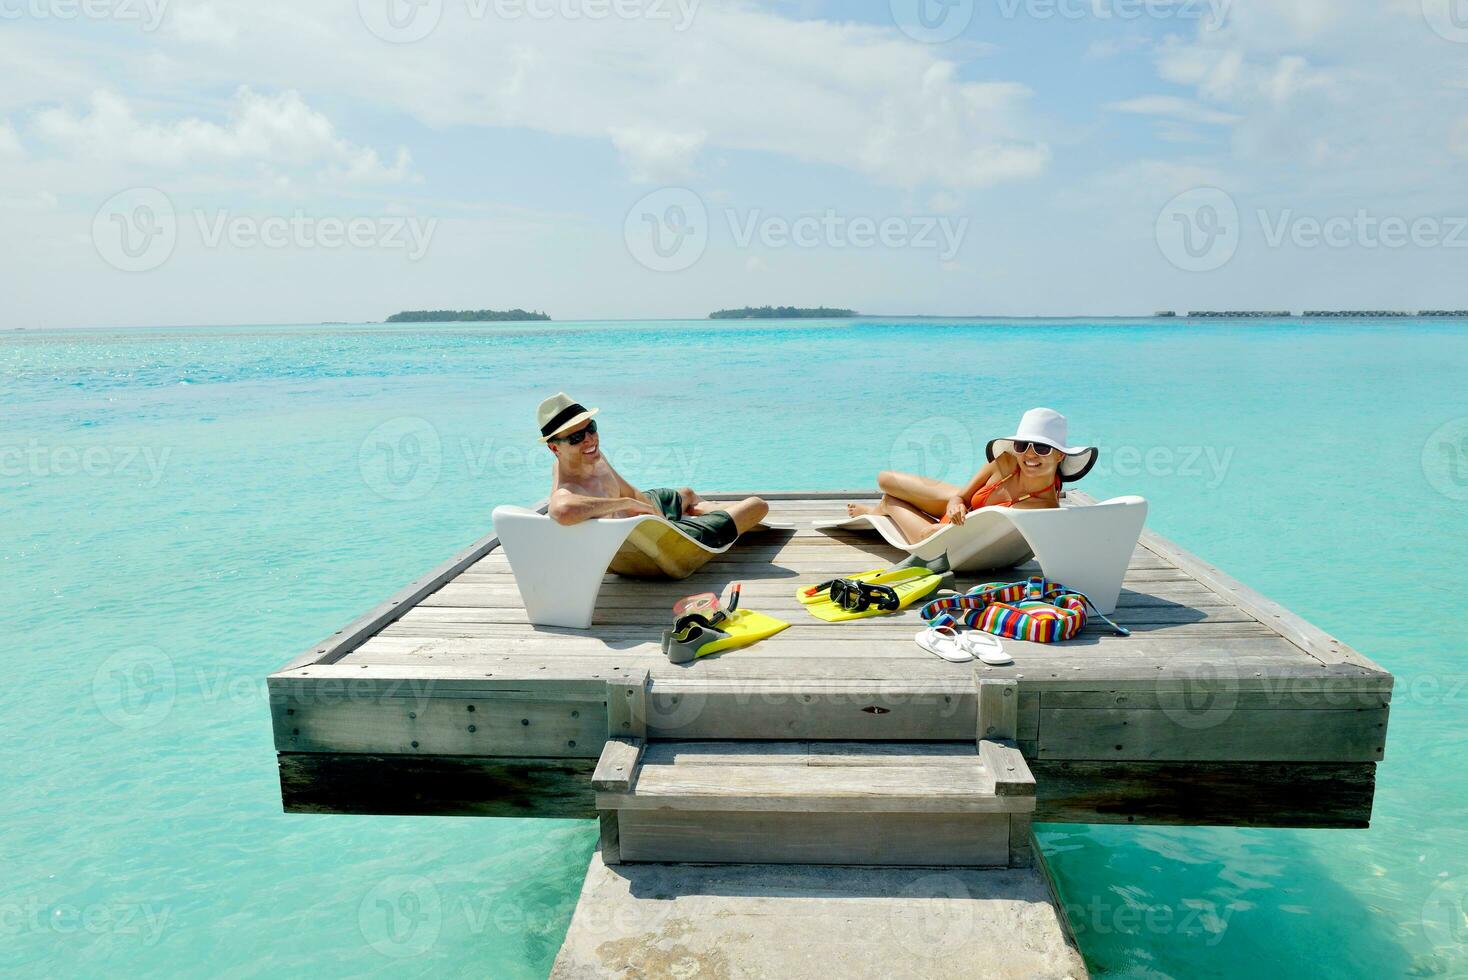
(1037, 610)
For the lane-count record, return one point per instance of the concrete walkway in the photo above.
(773, 922)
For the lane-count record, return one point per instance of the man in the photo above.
(586, 486)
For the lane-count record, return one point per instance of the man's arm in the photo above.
(573, 508)
(625, 488)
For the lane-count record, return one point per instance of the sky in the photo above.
(179, 162)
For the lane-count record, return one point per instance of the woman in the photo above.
(1025, 470)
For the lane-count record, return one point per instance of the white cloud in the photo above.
(10, 147)
(656, 155)
(1112, 46)
(858, 97)
(1173, 107)
(279, 130)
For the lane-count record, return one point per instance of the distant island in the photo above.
(781, 313)
(463, 316)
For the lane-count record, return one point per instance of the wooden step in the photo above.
(961, 804)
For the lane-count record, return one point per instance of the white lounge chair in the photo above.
(1086, 547)
(559, 568)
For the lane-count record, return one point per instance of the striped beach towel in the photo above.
(1036, 609)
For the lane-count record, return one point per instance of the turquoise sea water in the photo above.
(186, 509)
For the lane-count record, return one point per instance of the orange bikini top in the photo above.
(981, 496)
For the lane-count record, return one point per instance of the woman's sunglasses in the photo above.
(1020, 448)
(577, 438)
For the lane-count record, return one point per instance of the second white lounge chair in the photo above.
(559, 568)
(1086, 547)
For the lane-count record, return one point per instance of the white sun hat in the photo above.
(559, 413)
(1047, 427)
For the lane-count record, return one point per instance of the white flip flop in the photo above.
(945, 642)
(986, 647)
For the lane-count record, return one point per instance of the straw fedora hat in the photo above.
(1047, 427)
(559, 413)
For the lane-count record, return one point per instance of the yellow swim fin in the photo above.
(811, 594)
(917, 584)
(735, 630)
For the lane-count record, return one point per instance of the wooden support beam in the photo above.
(1002, 760)
(998, 709)
(627, 706)
(616, 770)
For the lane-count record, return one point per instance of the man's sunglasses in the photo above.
(1020, 448)
(578, 437)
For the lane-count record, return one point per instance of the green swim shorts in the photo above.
(714, 530)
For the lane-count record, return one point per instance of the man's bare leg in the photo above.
(925, 495)
(746, 513)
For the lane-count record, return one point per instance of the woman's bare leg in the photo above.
(925, 495)
(914, 524)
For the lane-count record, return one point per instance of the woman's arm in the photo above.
(958, 506)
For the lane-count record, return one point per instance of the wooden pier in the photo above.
(831, 743)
